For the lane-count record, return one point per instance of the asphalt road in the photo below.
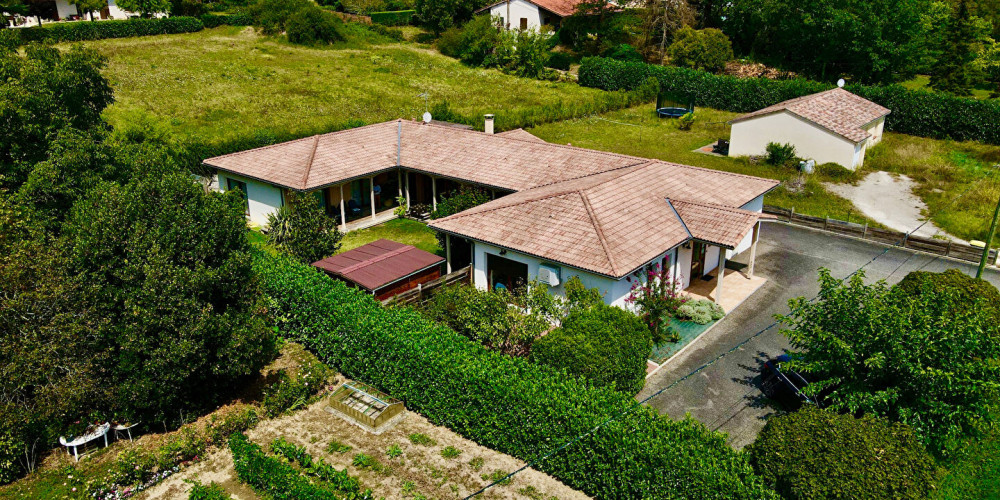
(724, 396)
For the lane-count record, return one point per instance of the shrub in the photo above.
(77, 32)
(272, 477)
(782, 155)
(390, 33)
(624, 52)
(302, 229)
(915, 112)
(708, 49)
(685, 122)
(222, 424)
(502, 402)
(819, 454)
(10, 450)
(836, 171)
(393, 451)
(657, 299)
(559, 60)
(338, 479)
(293, 391)
(132, 467)
(314, 26)
(605, 344)
(214, 491)
(701, 311)
(451, 43)
(393, 18)
(216, 20)
(961, 288)
(271, 16)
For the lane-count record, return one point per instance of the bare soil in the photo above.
(420, 470)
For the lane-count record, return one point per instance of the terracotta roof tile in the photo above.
(520, 133)
(561, 8)
(836, 110)
(378, 263)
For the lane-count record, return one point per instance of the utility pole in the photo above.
(989, 240)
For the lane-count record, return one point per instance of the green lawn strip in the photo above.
(923, 82)
(228, 87)
(638, 131)
(406, 231)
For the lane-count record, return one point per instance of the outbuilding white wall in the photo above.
(518, 9)
(263, 199)
(64, 9)
(751, 137)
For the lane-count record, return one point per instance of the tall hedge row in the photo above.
(505, 403)
(393, 18)
(915, 112)
(85, 30)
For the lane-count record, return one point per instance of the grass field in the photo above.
(230, 85)
(637, 131)
(923, 82)
(405, 231)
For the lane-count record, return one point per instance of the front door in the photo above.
(697, 259)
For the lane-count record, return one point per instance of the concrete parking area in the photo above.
(725, 395)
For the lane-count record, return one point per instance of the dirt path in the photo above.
(420, 470)
(889, 199)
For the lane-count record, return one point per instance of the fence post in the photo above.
(947, 251)
(420, 293)
(826, 223)
(791, 214)
(864, 234)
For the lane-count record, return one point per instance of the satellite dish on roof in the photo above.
(427, 116)
(841, 82)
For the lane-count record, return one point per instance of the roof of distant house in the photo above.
(614, 222)
(520, 133)
(379, 263)
(501, 161)
(836, 110)
(562, 8)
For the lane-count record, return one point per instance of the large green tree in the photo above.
(930, 359)
(146, 8)
(954, 70)
(85, 7)
(871, 41)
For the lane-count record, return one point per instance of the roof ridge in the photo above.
(473, 211)
(309, 162)
(712, 205)
(608, 171)
(733, 174)
(600, 232)
(681, 219)
(285, 143)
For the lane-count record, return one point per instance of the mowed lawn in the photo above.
(226, 84)
(638, 131)
(957, 180)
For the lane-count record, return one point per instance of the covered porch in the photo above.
(737, 280)
(362, 202)
(426, 190)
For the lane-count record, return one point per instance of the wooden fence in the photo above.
(945, 248)
(422, 292)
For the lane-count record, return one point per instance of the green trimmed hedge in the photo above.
(85, 30)
(505, 403)
(914, 112)
(393, 18)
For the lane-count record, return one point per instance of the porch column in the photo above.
(753, 247)
(407, 190)
(434, 193)
(721, 272)
(399, 182)
(343, 215)
(447, 252)
(371, 188)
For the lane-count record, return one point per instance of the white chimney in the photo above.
(489, 124)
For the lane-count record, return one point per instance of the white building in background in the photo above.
(531, 14)
(834, 126)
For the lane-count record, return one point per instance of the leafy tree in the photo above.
(85, 7)
(708, 49)
(313, 25)
(605, 344)
(597, 26)
(873, 41)
(661, 20)
(954, 71)
(146, 8)
(167, 267)
(9, 10)
(302, 229)
(436, 15)
(45, 90)
(929, 360)
(819, 454)
(40, 9)
(521, 52)
(270, 16)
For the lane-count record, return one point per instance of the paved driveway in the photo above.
(724, 396)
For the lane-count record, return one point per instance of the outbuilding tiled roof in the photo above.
(378, 263)
(613, 222)
(562, 8)
(836, 110)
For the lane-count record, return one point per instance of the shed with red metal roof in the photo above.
(383, 267)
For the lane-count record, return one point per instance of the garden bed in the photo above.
(688, 331)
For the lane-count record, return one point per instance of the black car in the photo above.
(785, 385)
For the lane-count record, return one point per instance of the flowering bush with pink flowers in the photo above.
(657, 298)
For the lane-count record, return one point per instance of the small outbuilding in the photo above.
(383, 267)
(531, 14)
(834, 126)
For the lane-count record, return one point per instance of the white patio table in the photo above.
(92, 434)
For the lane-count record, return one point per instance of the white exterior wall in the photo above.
(263, 199)
(751, 137)
(64, 9)
(518, 9)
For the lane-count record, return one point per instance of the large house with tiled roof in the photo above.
(834, 126)
(558, 211)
